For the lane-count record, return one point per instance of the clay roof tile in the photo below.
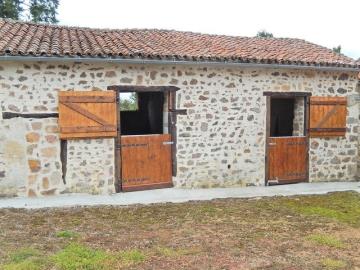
(21, 38)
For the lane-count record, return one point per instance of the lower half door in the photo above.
(287, 160)
(146, 162)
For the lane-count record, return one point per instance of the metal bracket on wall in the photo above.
(179, 111)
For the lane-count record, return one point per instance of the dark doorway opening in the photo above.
(146, 118)
(282, 117)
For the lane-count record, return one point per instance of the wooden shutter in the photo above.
(327, 116)
(87, 114)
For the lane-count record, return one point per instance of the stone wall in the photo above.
(221, 140)
(90, 166)
(298, 122)
(29, 157)
(13, 163)
(42, 154)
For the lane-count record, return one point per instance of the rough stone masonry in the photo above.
(221, 139)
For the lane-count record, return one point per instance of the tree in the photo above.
(10, 9)
(337, 49)
(31, 10)
(264, 34)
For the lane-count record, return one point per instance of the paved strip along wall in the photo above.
(221, 140)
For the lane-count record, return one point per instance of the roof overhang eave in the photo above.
(175, 62)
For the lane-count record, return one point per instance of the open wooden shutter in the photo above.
(327, 116)
(87, 114)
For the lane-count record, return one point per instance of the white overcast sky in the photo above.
(325, 22)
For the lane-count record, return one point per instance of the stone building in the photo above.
(212, 111)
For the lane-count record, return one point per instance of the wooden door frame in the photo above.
(269, 95)
(170, 91)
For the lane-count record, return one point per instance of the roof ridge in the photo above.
(145, 29)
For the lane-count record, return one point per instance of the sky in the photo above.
(326, 22)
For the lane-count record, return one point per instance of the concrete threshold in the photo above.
(176, 195)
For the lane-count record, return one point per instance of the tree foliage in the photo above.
(264, 34)
(30, 10)
(129, 103)
(337, 49)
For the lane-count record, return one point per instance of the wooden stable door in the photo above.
(146, 162)
(287, 160)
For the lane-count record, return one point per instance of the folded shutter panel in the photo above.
(87, 114)
(327, 116)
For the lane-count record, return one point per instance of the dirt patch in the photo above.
(301, 232)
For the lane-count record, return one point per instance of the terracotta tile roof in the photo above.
(30, 39)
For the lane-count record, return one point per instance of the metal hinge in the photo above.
(272, 143)
(167, 143)
(273, 181)
(135, 145)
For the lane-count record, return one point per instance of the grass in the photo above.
(67, 234)
(76, 256)
(172, 252)
(23, 254)
(326, 240)
(130, 257)
(25, 259)
(329, 263)
(35, 264)
(267, 233)
(343, 207)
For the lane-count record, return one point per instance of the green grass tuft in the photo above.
(26, 259)
(130, 257)
(333, 264)
(67, 234)
(326, 240)
(76, 256)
